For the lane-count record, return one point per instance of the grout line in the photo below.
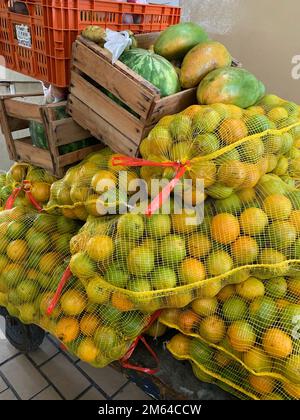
(119, 390)
(45, 362)
(10, 358)
(45, 377)
(83, 392)
(46, 387)
(9, 386)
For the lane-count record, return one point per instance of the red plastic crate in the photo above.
(52, 26)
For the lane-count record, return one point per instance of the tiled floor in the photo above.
(52, 374)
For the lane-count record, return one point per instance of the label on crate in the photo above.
(23, 35)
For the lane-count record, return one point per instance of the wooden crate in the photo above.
(16, 113)
(12, 87)
(92, 75)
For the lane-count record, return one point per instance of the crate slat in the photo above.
(28, 153)
(127, 89)
(67, 132)
(100, 128)
(78, 155)
(23, 110)
(118, 117)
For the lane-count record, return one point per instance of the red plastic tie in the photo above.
(65, 277)
(141, 338)
(12, 198)
(25, 186)
(167, 190)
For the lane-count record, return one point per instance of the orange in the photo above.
(210, 289)
(80, 213)
(67, 329)
(78, 243)
(278, 207)
(219, 262)
(232, 173)
(191, 271)
(68, 213)
(246, 195)
(294, 286)
(87, 351)
(179, 300)
(121, 302)
(244, 250)
(199, 245)
(170, 316)
(91, 205)
(225, 228)
(73, 302)
(179, 345)
(88, 324)
(282, 303)
(103, 181)
(232, 130)
(253, 221)
(271, 256)
(41, 191)
(205, 306)
(241, 336)
(156, 330)
(206, 171)
(48, 262)
(262, 384)
(277, 343)
(45, 302)
(253, 175)
(181, 223)
(17, 250)
(212, 329)
(257, 360)
(295, 220)
(222, 359)
(100, 248)
(18, 172)
(187, 321)
(292, 389)
(226, 293)
(87, 171)
(250, 289)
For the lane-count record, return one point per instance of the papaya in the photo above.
(230, 85)
(176, 41)
(201, 60)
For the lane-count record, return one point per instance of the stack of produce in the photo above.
(28, 178)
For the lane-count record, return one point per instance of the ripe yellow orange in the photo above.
(199, 245)
(232, 173)
(295, 220)
(100, 248)
(253, 221)
(244, 250)
(294, 286)
(67, 329)
(250, 289)
(88, 324)
(225, 228)
(87, 351)
(179, 345)
(212, 329)
(78, 242)
(41, 191)
(68, 213)
(191, 271)
(205, 306)
(48, 262)
(257, 360)
(181, 223)
(179, 300)
(241, 336)
(278, 207)
(277, 343)
(210, 289)
(17, 250)
(253, 175)
(170, 316)
(232, 130)
(292, 389)
(226, 293)
(262, 384)
(103, 181)
(73, 302)
(206, 171)
(121, 302)
(188, 320)
(246, 195)
(282, 303)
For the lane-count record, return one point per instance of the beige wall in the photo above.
(263, 34)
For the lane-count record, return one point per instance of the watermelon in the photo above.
(154, 68)
(230, 85)
(176, 41)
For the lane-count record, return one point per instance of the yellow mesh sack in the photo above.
(34, 257)
(25, 186)
(82, 192)
(228, 147)
(164, 261)
(257, 322)
(228, 374)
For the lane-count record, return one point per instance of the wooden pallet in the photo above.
(16, 113)
(93, 75)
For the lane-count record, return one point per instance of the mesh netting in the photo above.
(161, 261)
(25, 186)
(214, 366)
(34, 256)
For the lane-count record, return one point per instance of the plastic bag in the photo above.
(116, 43)
(212, 365)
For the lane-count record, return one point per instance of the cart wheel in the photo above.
(25, 338)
